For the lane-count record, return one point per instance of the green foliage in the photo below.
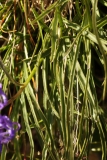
(54, 70)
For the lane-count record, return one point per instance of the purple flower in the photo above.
(7, 130)
(7, 127)
(3, 98)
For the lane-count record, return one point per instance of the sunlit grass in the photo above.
(52, 54)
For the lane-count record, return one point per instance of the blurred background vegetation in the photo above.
(53, 67)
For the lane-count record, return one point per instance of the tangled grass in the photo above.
(54, 71)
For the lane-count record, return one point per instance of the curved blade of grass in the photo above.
(26, 121)
(78, 36)
(85, 100)
(70, 102)
(39, 112)
(100, 45)
(8, 75)
(48, 10)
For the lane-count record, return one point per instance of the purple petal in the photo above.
(0, 147)
(7, 129)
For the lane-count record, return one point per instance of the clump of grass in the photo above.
(52, 54)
